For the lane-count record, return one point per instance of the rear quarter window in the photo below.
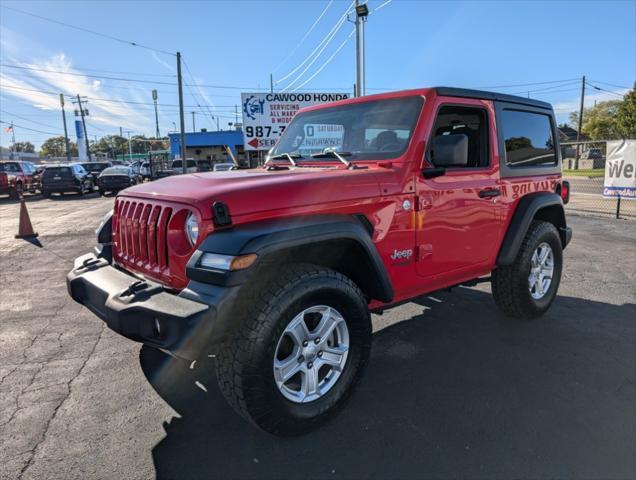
(528, 138)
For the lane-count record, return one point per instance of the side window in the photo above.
(468, 121)
(528, 138)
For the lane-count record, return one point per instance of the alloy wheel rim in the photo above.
(311, 354)
(541, 271)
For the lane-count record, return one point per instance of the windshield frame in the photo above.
(415, 102)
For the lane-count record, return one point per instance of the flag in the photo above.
(9, 129)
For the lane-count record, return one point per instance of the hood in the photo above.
(258, 190)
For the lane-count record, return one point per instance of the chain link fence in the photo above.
(586, 176)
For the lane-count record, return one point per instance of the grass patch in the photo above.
(586, 172)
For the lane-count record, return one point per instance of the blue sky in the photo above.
(238, 43)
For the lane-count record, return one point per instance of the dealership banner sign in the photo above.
(620, 169)
(266, 115)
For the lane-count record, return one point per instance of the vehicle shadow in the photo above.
(457, 391)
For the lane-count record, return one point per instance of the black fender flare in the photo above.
(268, 237)
(526, 211)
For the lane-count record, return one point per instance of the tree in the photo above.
(25, 147)
(626, 116)
(599, 121)
(56, 147)
(112, 145)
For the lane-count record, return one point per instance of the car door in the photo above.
(458, 220)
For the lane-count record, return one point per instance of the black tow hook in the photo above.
(134, 287)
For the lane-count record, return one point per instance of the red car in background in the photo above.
(17, 177)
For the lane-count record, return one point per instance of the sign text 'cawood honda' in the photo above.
(266, 115)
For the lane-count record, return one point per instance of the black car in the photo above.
(66, 178)
(114, 179)
(95, 168)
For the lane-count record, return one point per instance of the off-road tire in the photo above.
(510, 288)
(245, 360)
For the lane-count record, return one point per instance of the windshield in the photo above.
(94, 167)
(57, 171)
(371, 130)
(9, 167)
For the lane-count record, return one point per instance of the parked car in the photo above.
(224, 167)
(66, 178)
(592, 154)
(114, 179)
(191, 166)
(276, 272)
(17, 177)
(95, 168)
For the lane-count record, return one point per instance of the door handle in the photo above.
(489, 193)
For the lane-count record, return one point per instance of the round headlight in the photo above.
(192, 228)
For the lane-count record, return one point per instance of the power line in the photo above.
(44, 92)
(198, 89)
(327, 38)
(124, 79)
(327, 62)
(27, 119)
(611, 84)
(29, 129)
(333, 55)
(83, 29)
(529, 84)
(621, 95)
(304, 36)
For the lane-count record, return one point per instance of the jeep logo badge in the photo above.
(401, 255)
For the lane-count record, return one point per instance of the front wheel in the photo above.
(527, 288)
(298, 352)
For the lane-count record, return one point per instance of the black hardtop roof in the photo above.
(483, 95)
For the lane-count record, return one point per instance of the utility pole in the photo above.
(68, 148)
(121, 132)
(129, 147)
(362, 12)
(154, 99)
(271, 83)
(194, 129)
(81, 109)
(13, 152)
(181, 115)
(357, 23)
(235, 113)
(578, 133)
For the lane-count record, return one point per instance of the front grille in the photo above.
(141, 234)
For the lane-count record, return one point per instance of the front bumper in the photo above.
(185, 324)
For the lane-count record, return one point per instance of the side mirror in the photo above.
(450, 150)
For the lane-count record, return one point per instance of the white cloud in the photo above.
(26, 86)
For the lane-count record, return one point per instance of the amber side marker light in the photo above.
(216, 261)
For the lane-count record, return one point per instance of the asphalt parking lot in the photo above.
(454, 389)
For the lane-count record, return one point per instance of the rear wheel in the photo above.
(298, 352)
(527, 288)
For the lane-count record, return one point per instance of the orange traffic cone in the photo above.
(26, 229)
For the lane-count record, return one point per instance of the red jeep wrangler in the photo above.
(362, 204)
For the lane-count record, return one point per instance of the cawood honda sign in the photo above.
(266, 115)
(620, 169)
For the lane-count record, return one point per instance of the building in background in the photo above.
(212, 147)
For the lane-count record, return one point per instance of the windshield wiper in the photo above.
(286, 156)
(333, 154)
